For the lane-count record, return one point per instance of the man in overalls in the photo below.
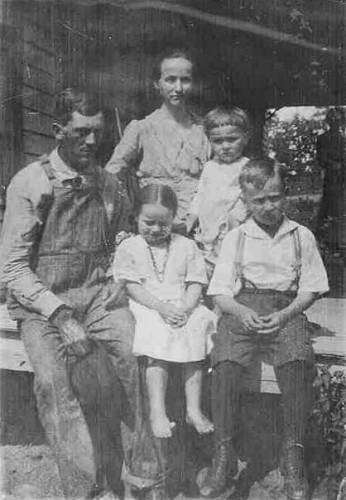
(62, 215)
(268, 272)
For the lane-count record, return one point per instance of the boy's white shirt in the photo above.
(269, 262)
(218, 195)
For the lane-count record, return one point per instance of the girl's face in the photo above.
(228, 143)
(155, 223)
(175, 83)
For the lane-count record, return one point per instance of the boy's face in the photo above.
(228, 143)
(266, 204)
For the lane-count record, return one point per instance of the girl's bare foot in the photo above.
(200, 422)
(161, 426)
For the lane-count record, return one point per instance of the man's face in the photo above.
(175, 83)
(266, 204)
(79, 139)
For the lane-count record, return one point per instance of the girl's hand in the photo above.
(172, 314)
(249, 319)
(272, 323)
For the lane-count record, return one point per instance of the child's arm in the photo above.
(169, 312)
(272, 323)
(247, 317)
(192, 296)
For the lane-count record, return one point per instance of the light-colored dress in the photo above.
(162, 153)
(218, 204)
(181, 264)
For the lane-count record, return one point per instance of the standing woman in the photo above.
(169, 145)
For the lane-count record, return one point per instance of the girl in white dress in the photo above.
(164, 274)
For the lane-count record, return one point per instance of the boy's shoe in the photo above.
(295, 481)
(224, 467)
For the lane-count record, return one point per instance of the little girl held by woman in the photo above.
(218, 205)
(164, 274)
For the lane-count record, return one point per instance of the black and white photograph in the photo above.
(172, 249)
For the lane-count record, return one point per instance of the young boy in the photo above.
(218, 205)
(268, 272)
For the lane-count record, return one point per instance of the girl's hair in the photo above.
(220, 117)
(169, 54)
(156, 193)
(257, 171)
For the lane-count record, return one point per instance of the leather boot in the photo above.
(225, 466)
(295, 480)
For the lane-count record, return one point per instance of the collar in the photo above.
(61, 170)
(251, 229)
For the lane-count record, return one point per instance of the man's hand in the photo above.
(72, 332)
(272, 323)
(249, 318)
(114, 295)
(173, 315)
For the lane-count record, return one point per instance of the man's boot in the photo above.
(225, 466)
(295, 481)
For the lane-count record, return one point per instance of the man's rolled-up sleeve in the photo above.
(224, 279)
(21, 229)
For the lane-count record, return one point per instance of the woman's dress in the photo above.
(160, 152)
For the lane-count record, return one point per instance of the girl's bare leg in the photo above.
(193, 390)
(156, 377)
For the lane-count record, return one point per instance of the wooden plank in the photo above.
(33, 121)
(35, 99)
(37, 144)
(39, 79)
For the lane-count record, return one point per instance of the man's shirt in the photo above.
(27, 195)
(269, 263)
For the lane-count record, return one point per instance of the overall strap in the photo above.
(238, 258)
(47, 167)
(297, 258)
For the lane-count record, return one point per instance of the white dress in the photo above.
(218, 204)
(182, 265)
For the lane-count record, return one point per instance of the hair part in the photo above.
(73, 99)
(169, 54)
(257, 171)
(221, 117)
(153, 194)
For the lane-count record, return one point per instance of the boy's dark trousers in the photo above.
(295, 383)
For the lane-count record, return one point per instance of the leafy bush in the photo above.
(329, 421)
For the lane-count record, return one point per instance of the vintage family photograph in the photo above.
(172, 249)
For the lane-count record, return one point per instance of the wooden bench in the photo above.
(329, 344)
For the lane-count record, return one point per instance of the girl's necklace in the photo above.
(160, 274)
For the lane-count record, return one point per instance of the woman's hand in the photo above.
(173, 315)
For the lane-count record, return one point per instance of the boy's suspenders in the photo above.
(238, 259)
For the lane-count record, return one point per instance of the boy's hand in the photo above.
(272, 323)
(173, 315)
(249, 318)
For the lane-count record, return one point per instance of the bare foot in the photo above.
(200, 422)
(161, 426)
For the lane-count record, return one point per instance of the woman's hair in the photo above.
(74, 99)
(257, 171)
(220, 117)
(156, 193)
(169, 54)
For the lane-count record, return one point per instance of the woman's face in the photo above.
(175, 83)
